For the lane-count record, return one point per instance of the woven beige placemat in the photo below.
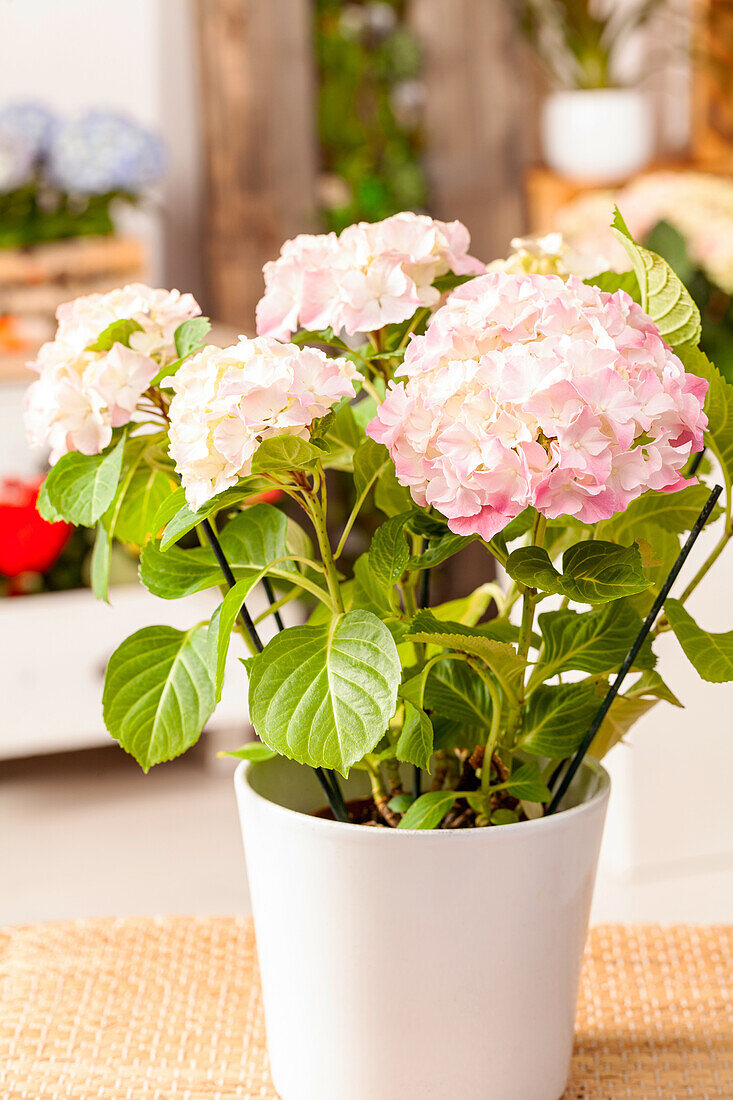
(170, 1009)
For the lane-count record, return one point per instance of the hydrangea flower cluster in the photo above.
(81, 395)
(371, 275)
(228, 400)
(547, 255)
(32, 122)
(535, 390)
(103, 152)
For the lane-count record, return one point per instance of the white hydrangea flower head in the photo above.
(228, 400)
(81, 395)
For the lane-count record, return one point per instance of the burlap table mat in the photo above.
(170, 1009)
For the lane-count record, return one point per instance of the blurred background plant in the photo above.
(370, 102)
(579, 42)
(59, 178)
(686, 217)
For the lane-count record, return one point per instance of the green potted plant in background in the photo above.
(423, 809)
(595, 126)
(63, 183)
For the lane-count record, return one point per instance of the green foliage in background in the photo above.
(369, 116)
(578, 41)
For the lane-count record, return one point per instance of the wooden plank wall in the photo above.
(480, 116)
(257, 84)
(257, 92)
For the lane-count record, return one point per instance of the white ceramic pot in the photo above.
(601, 135)
(417, 965)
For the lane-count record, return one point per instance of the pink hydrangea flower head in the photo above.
(227, 400)
(81, 395)
(538, 390)
(373, 274)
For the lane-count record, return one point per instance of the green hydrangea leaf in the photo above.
(526, 783)
(283, 453)
(454, 691)
(158, 692)
(80, 488)
(388, 553)
(119, 332)
(711, 654)
(557, 719)
(597, 571)
(324, 695)
(500, 657)
(664, 296)
(427, 811)
(190, 335)
(254, 751)
(415, 743)
(591, 641)
(221, 627)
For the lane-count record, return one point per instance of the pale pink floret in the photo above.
(227, 400)
(373, 274)
(536, 390)
(81, 395)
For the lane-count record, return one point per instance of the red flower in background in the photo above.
(270, 496)
(28, 543)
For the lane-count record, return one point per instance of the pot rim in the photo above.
(627, 91)
(544, 824)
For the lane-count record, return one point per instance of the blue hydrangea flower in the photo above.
(102, 152)
(16, 161)
(32, 122)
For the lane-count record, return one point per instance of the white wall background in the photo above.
(137, 56)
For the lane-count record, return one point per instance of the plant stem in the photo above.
(294, 594)
(529, 600)
(707, 565)
(393, 777)
(724, 539)
(423, 601)
(525, 629)
(318, 519)
(441, 770)
(317, 513)
(500, 556)
(379, 794)
(358, 505)
(495, 724)
(370, 390)
(272, 602)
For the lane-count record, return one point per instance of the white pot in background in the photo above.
(419, 965)
(599, 136)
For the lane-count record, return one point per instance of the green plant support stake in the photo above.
(648, 623)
